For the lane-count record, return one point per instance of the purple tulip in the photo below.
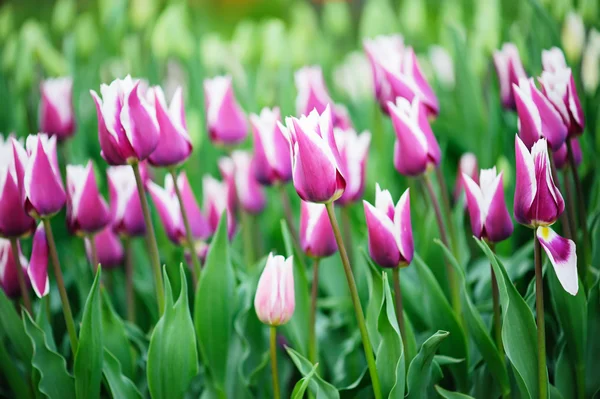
(57, 117)
(274, 302)
(174, 144)
(316, 163)
(14, 221)
(8, 269)
(225, 118)
(563, 256)
(416, 148)
(215, 204)
(316, 234)
(250, 194)
(390, 229)
(108, 248)
(87, 211)
(561, 158)
(396, 73)
(510, 70)
(125, 205)
(466, 165)
(227, 170)
(537, 116)
(127, 126)
(487, 208)
(272, 163)
(354, 150)
(37, 271)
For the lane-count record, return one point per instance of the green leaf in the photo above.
(374, 306)
(419, 371)
(115, 337)
(300, 387)
(12, 326)
(120, 386)
(518, 329)
(213, 309)
(319, 387)
(55, 381)
(592, 351)
(444, 393)
(89, 356)
(13, 376)
(172, 355)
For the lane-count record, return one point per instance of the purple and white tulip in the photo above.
(250, 194)
(561, 157)
(510, 70)
(8, 269)
(275, 301)
(466, 165)
(125, 205)
(354, 150)
(37, 271)
(57, 117)
(225, 118)
(215, 204)
(108, 248)
(316, 234)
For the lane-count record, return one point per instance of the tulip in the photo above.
(250, 193)
(108, 247)
(214, 193)
(510, 70)
(225, 118)
(537, 116)
(227, 170)
(125, 205)
(416, 148)
(316, 235)
(590, 64)
(561, 159)
(272, 163)
(573, 36)
(57, 117)
(354, 150)
(316, 163)
(128, 129)
(390, 229)
(466, 165)
(553, 60)
(487, 208)
(14, 222)
(274, 302)
(559, 88)
(87, 211)
(8, 269)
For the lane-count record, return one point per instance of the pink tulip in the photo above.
(561, 157)
(8, 269)
(127, 126)
(108, 248)
(225, 118)
(390, 229)
(215, 204)
(250, 194)
(125, 205)
(274, 302)
(57, 117)
(316, 234)
(227, 170)
(466, 165)
(354, 150)
(559, 87)
(510, 70)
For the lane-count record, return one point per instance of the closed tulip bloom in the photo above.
(553, 60)
(380, 50)
(316, 163)
(215, 204)
(487, 208)
(316, 234)
(416, 148)
(466, 165)
(8, 269)
(128, 129)
(561, 158)
(390, 230)
(225, 118)
(108, 248)
(37, 271)
(274, 302)
(510, 70)
(537, 116)
(250, 194)
(87, 211)
(125, 205)
(57, 117)
(354, 150)
(272, 163)
(14, 221)
(174, 143)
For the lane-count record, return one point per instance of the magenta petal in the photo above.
(198, 223)
(530, 124)
(249, 192)
(125, 205)
(56, 108)
(498, 224)
(225, 118)
(169, 212)
(526, 185)
(109, 248)
(553, 128)
(383, 247)
(548, 203)
(38, 265)
(575, 109)
(316, 233)
(563, 256)
(140, 125)
(403, 227)
(88, 211)
(425, 92)
(8, 269)
(474, 205)
(108, 143)
(14, 221)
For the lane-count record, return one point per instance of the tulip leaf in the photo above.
(477, 328)
(54, 382)
(300, 387)
(115, 337)
(11, 373)
(419, 371)
(592, 350)
(318, 386)
(12, 327)
(374, 306)
(89, 356)
(444, 393)
(518, 329)
(120, 386)
(172, 355)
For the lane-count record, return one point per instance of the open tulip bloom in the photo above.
(354, 150)
(57, 117)
(225, 118)
(510, 70)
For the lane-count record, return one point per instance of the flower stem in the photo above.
(312, 336)
(570, 204)
(66, 307)
(93, 252)
(129, 293)
(150, 240)
(273, 345)
(360, 317)
(539, 307)
(196, 269)
(347, 232)
(14, 244)
(399, 307)
(564, 217)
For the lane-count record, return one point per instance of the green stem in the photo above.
(14, 244)
(129, 293)
(347, 232)
(447, 209)
(399, 307)
(273, 345)
(248, 238)
(94, 253)
(196, 269)
(539, 307)
(312, 336)
(150, 240)
(564, 217)
(360, 317)
(66, 307)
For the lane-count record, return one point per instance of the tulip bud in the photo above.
(416, 148)
(573, 36)
(354, 150)
(57, 116)
(215, 204)
(174, 143)
(390, 229)
(249, 192)
(225, 118)
(108, 248)
(510, 70)
(590, 65)
(8, 269)
(37, 271)
(87, 211)
(274, 302)
(561, 158)
(537, 116)
(316, 234)
(127, 127)
(14, 222)
(466, 165)
(272, 163)
(558, 86)
(125, 205)
(316, 163)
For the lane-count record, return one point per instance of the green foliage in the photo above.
(12, 327)
(318, 386)
(120, 386)
(419, 371)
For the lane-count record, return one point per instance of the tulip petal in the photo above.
(553, 128)
(139, 122)
(14, 221)
(563, 256)
(548, 203)
(88, 212)
(108, 247)
(109, 141)
(498, 225)
(169, 212)
(403, 228)
(410, 149)
(383, 246)
(526, 185)
(198, 223)
(474, 205)
(316, 234)
(38, 265)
